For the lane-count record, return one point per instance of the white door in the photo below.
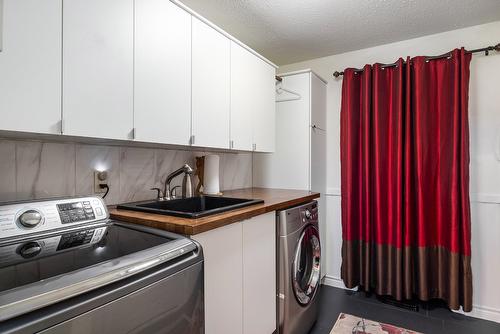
(289, 166)
(259, 274)
(318, 182)
(244, 87)
(98, 39)
(318, 153)
(162, 89)
(30, 66)
(318, 103)
(265, 109)
(210, 87)
(223, 279)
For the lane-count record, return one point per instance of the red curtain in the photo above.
(405, 179)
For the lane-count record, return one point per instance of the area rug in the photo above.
(349, 324)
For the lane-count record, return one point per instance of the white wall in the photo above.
(485, 149)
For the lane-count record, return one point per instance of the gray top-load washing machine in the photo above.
(298, 265)
(65, 267)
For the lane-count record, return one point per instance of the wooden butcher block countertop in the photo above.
(274, 199)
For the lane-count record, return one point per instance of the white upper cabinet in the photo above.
(162, 90)
(30, 66)
(98, 41)
(210, 86)
(252, 101)
(264, 114)
(145, 70)
(243, 99)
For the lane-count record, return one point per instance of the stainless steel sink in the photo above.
(193, 207)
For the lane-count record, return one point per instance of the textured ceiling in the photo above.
(287, 31)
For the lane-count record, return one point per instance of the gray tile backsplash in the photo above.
(44, 169)
(93, 157)
(137, 173)
(37, 169)
(7, 170)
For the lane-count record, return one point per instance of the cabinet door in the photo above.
(259, 274)
(162, 89)
(98, 38)
(210, 87)
(222, 250)
(243, 97)
(289, 166)
(30, 65)
(264, 113)
(318, 103)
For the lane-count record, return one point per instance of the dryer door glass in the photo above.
(306, 265)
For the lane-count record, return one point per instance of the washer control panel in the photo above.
(27, 250)
(30, 218)
(17, 219)
(75, 212)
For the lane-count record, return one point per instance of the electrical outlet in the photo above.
(100, 178)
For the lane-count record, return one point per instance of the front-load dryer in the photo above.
(298, 266)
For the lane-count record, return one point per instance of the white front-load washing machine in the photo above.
(298, 266)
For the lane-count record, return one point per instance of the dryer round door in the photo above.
(306, 265)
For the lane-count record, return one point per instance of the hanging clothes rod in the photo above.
(486, 51)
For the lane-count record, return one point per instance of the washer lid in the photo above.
(39, 272)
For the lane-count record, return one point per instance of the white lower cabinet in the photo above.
(259, 274)
(223, 250)
(240, 276)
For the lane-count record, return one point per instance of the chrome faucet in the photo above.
(187, 187)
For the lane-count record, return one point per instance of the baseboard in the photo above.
(335, 282)
(332, 192)
(485, 198)
(481, 312)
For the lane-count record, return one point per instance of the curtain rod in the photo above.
(486, 51)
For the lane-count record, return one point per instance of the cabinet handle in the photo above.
(231, 144)
(191, 140)
(317, 127)
(134, 134)
(62, 122)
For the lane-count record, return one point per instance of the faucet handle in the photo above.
(173, 192)
(159, 194)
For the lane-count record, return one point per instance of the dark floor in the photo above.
(429, 319)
